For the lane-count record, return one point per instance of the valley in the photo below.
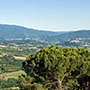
(12, 54)
(15, 48)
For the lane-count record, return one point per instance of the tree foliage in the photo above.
(57, 68)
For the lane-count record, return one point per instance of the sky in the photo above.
(52, 15)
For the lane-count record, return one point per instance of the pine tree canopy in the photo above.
(57, 68)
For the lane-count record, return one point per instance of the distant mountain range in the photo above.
(71, 35)
(14, 32)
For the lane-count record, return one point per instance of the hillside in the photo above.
(13, 31)
(71, 35)
(19, 32)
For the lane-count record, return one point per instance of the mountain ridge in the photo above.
(15, 31)
(71, 35)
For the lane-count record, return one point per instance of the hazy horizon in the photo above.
(43, 29)
(52, 15)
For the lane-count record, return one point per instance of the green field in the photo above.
(13, 74)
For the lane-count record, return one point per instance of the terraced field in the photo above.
(12, 74)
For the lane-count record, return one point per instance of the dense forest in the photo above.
(57, 68)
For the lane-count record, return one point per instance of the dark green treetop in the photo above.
(56, 68)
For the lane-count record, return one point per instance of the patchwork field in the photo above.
(12, 54)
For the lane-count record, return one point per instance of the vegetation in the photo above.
(79, 42)
(9, 64)
(7, 83)
(19, 32)
(21, 47)
(57, 68)
(55, 62)
(13, 74)
(70, 36)
(13, 32)
(69, 44)
(12, 54)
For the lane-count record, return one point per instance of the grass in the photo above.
(13, 74)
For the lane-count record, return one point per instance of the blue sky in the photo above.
(55, 15)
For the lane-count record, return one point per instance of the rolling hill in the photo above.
(13, 31)
(70, 36)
